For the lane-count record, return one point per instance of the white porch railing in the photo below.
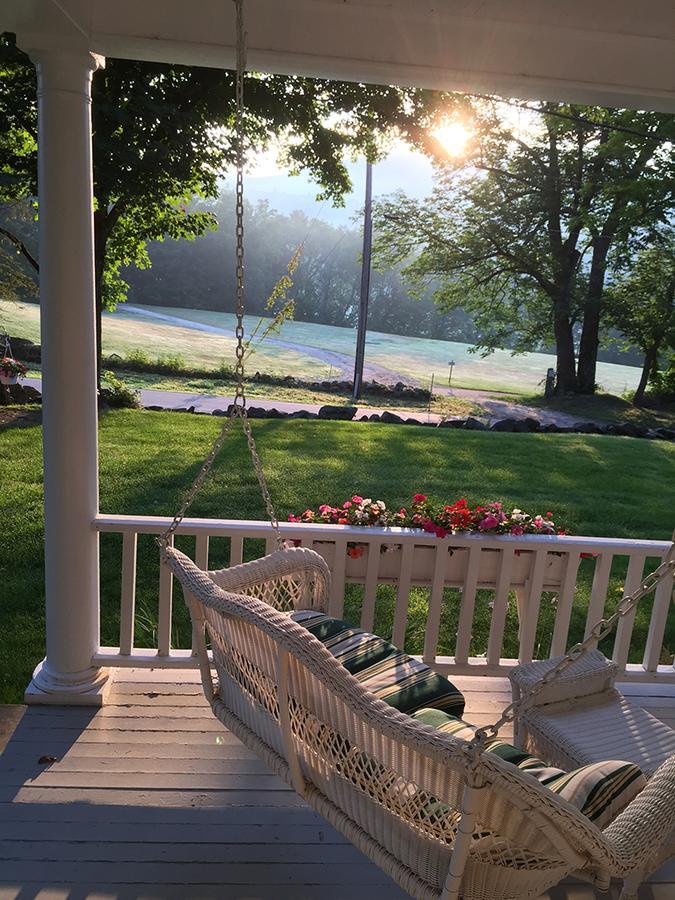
(538, 569)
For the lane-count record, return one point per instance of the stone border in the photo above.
(509, 425)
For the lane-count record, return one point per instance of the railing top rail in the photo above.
(320, 531)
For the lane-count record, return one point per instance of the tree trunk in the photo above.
(647, 367)
(590, 333)
(566, 378)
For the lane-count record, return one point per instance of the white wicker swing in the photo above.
(440, 815)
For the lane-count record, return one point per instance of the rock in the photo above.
(339, 413)
(257, 412)
(520, 427)
(665, 434)
(219, 412)
(503, 425)
(154, 408)
(412, 422)
(303, 414)
(551, 428)
(374, 418)
(391, 418)
(276, 414)
(587, 428)
(475, 424)
(532, 424)
(452, 423)
(626, 429)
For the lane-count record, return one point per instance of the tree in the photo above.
(643, 305)
(163, 134)
(520, 230)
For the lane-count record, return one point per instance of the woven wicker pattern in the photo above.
(392, 785)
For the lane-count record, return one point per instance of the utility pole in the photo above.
(365, 283)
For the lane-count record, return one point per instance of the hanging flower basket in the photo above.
(11, 370)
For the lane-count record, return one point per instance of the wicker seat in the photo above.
(441, 822)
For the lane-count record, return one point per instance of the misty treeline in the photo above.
(200, 274)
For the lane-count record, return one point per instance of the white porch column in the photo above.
(69, 379)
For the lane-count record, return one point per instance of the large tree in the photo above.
(163, 135)
(643, 304)
(520, 229)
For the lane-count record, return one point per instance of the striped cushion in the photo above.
(401, 681)
(600, 791)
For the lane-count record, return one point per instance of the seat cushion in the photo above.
(401, 681)
(600, 790)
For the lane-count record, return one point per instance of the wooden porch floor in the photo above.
(150, 797)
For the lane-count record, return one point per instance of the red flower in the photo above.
(355, 552)
(419, 498)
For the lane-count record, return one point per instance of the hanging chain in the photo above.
(599, 631)
(238, 408)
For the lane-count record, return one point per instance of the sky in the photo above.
(403, 169)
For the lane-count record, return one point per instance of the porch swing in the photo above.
(439, 805)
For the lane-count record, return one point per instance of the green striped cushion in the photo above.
(401, 681)
(600, 791)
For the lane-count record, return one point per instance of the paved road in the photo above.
(209, 403)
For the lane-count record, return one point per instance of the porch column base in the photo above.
(89, 687)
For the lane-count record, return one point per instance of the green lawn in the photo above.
(404, 357)
(596, 485)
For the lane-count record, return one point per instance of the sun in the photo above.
(453, 137)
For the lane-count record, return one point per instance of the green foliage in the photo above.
(164, 134)
(643, 306)
(115, 392)
(520, 231)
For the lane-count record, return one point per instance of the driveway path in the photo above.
(342, 363)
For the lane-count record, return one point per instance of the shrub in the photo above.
(117, 394)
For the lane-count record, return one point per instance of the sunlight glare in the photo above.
(453, 137)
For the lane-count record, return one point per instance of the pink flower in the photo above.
(419, 498)
(440, 531)
(293, 518)
(346, 504)
(429, 526)
(357, 499)
(488, 522)
(517, 530)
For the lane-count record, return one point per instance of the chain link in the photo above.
(238, 408)
(599, 631)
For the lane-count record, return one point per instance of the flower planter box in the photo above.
(423, 563)
(8, 379)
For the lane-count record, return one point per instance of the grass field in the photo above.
(595, 485)
(405, 358)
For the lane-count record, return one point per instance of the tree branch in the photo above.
(21, 247)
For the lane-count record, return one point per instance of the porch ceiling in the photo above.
(608, 52)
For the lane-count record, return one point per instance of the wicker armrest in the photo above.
(591, 674)
(644, 830)
(292, 578)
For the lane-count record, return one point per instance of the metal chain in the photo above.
(238, 408)
(600, 630)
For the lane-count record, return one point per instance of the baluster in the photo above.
(403, 596)
(370, 589)
(236, 550)
(563, 613)
(530, 610)
(467, 606)
(624, 628)
(596, 604)
(435, 602)
(657, 624)
(337, 581)
(128, 596)
(202, 560)
(500, 608)
(165, 607)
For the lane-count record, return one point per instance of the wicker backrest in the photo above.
(399, 781)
